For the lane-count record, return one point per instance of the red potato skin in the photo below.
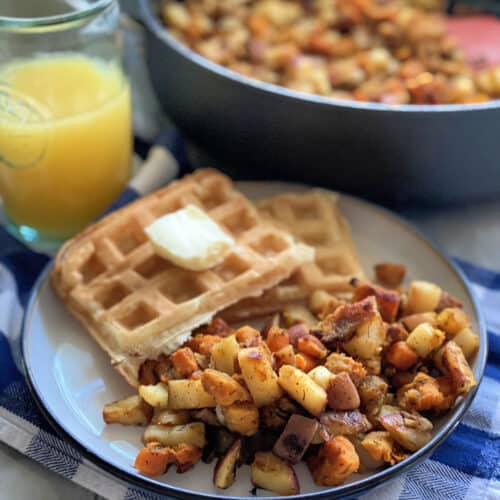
(342, 393)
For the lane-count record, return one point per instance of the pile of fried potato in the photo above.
(391, 51)
(345, 386)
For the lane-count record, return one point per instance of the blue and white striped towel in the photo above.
(465, 466)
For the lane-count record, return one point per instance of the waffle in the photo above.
(314, 218)
(138, 305)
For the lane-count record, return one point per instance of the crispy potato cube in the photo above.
(259, 376)
(401, 355)
(338, 362)
(277, 338)
(421, 394)
(410, 430)
(456, 366)
(172, 435)
(203, 343)
(451, 320)
(345, 423)
(413, 320)
(335, 462)
(368, 339)
(130, 411)
(313, 347)
(169, 417)
(390, 273)
(425, 339)
(422, 297)
(188, 394)
(387, 300)
(468, 341)
(223, 387)
(224, 354)
(303, 389)
(155, 395)
(248, 336)
(380, 446)
(242, 418)
(305, 362)
(285, 356)
(152, 460)
(272, 473)
(372, 392)
(322, 376)
(184, 362)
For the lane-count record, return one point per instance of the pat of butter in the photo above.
(190, 239)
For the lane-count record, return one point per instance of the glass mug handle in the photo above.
(23, 135)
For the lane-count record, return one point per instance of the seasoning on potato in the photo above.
(344, 392)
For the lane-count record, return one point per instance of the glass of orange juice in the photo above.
(65, 118)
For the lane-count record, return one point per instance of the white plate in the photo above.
(72, 378)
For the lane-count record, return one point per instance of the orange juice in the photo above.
(65, 141)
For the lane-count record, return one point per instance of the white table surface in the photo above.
(471, 232)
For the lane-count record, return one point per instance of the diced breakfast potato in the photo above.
(468, 341)
(188, 394)
(401, 355)
(224, 354)
(452, 320)
(285, 356)
(274, 474)
(422, 297)
(421, 394)
(259, 376)
(455, 364)
(225, 469)
(169, 417)
(322, 376)
(130, 411)
(225, 389)
(277, 338)
(335, 462)
(380, 446)
(346, 423)
(295, 438)
(413, 320)
(303, 389)
(372, 392)
(425, 339)
(410, 430)
(152, 460)
(184, 361)
(342, 393)
(390, 273)
(368, 339)
(155, 395)
(171, 435)
(242, 418)
(338, 362)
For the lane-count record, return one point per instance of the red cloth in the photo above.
(479, 37)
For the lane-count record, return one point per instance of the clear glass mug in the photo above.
(65, 117)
